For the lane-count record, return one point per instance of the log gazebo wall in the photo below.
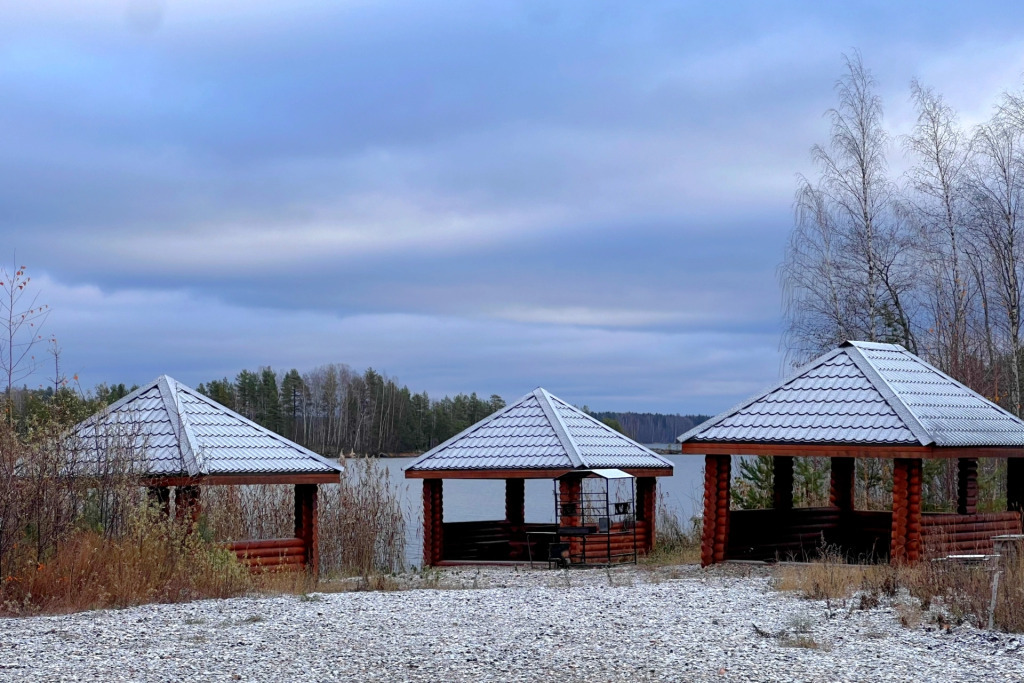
(904, 534)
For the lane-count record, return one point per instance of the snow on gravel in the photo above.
(502, 624)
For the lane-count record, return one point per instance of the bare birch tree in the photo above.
(935, 207)
(996, 193)
(845, 274)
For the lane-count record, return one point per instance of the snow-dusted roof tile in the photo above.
(866, 393)
(539, 431)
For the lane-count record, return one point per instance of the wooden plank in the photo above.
(806, 450)
(245, 479)
(846, 450)
(524, 473)
(268, 543)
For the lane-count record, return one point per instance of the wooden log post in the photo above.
(914, 485)
(306, 522)
(433, 522)
(187, 505)
(707, 537)
(967, 486)
(1014, 484)
(782, 482)
(569, 498)
(515, 501)
(898, 541)
(905, 545)
(841, 496)
(515, 515)
(647, 510)
(160, 498)
(724, 491)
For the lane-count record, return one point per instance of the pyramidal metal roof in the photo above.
(866, 393)
(539, 431)
(180, 432)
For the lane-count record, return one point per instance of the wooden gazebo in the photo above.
(862, 400)
(170, 435)
(539, 436)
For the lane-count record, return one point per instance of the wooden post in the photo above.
(646, 510)
(433, 521)
(782, 482)
(841, 484)
(967, 486)
(1014, 484)
(840, 495)
(914, 483)
(160, 498)
(569, 494)
(306, 518)
(707, 537)
(187, 505)
(905, 545)
(722, 507)
(515, 501)
(898, 540)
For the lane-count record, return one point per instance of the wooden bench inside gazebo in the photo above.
(862, 400)
(540, 436)
(174, 437)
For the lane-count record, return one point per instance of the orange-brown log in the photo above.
(272, 552)
(274, 561)
(707, 552)
(269, 543)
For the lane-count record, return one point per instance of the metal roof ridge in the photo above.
(895, 401)
(602, 425)
(263, 430)
(186, 440)
(796, 374)
(568, 443)
(875, 346)
(468, 430)
(963, 386)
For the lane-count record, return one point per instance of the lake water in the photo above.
(467, 500)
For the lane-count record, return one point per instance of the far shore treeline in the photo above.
(335, 410)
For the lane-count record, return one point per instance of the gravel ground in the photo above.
(499, 624)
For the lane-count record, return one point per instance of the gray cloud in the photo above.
(589, 196)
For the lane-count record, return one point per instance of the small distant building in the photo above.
(862, 400)
(540, 436)
(171, 436)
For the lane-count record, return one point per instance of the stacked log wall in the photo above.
(275, 554)
(954, 534)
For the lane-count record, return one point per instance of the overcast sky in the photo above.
(592, 197)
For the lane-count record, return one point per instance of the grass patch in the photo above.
(675, 542)
(941, 592)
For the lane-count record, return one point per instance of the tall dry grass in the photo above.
(940, 590)
(77, 532)
(361, 523)
(676, 541)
